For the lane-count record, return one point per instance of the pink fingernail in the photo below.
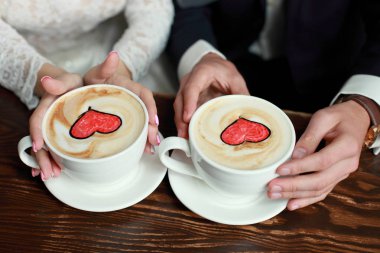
(113, 52)
(43, 178)
(152, 150)
(34, 147)
(34, 174)
(157, 120)
(158, 139)
(45, 78)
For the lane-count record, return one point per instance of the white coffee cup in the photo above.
(95, 173)
(235, 184)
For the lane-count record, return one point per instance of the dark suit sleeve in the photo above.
(369, 58)
(189, 26)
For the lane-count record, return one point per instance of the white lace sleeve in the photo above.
(19, 64)
(149, 24)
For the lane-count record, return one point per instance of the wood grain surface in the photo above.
(32, 220)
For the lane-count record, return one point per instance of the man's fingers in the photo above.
(297, 203)
(314, 182)
(194, 85)
(178, 116)
(238, 86)
(320, 124)
(341, 148)
(305, 193)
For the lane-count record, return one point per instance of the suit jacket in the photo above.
(326, 41)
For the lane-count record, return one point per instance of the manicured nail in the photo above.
(113, 52)
(158, 139)
(284, 171)
(156, 120)
(275, 195)
(179, 133)
(45, 78)
(152, 149)
(34, 172)
(34, 147)
(276, 188)
(299, 153)
(43, 178)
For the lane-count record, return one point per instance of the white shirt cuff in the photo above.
(193, 55)
(366, 85)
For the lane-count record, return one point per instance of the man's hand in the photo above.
(212, 76)
(343, 127)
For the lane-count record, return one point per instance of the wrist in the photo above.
(373, 115)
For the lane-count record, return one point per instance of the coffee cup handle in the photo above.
(23, 145)
(171, 143)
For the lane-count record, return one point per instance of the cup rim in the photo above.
(93, 160)
(282, 159)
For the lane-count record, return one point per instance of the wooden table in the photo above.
(32, 220)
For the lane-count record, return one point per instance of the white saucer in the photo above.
(70, 192)
(206, 202)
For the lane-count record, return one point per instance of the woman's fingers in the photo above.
(102, 72)
(148, 99)
(62, 84)
(46, 167)
(35, 122)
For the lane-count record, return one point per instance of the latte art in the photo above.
(104, 121)
(257, 134)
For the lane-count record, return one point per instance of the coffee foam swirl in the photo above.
(110, 100)
(247, 156)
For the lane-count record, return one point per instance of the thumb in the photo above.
(58, 87)
(103, 71)
(108, 67)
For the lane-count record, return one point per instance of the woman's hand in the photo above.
(343, 127)
(50, 89)
(114, 71)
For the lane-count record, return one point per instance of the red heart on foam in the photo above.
(242, 130)
(94, 121)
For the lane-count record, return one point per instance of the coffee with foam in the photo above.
(107, 100)
(216, 117)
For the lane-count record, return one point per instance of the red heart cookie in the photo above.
(94, 121)
(242, 130)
